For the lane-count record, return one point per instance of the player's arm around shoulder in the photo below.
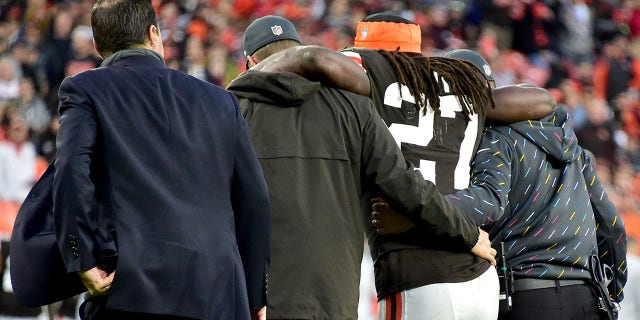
(322, 64)
(520, 102)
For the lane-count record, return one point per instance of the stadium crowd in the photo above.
(587, 52)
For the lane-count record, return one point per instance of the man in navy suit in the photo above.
(160, 203)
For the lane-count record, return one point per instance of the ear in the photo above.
(155, 39)
(95, 45)
(153, 34)
(252, 61)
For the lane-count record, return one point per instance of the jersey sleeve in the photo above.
(353, 56)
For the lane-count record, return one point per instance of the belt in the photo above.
(532, 284)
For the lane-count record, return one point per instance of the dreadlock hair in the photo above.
(424, 76)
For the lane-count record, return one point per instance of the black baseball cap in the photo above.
(265, 30)
(473, 57)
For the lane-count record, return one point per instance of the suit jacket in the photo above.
(156, 167)
(38, 275)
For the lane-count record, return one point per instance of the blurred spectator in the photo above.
(173, 24)
(629, 104)
(615, 195)
(597, 133)
(631, 17)
(604, 23)
(576, 37)
(56, 51)
(624, 182)
(513, 67)
(219, 71)
(32, 108)
(436, 34)
(583, 73)
(17, 162)
(463, 32)
(37, 17)
(338, 14)
(27, 55)
(10, 75)
(83, 55)
(46, 141)
(9, 25)
(533, 26)
(495, 15)
(573, 99)
(195, 60)
(631, 154)
(615, 72)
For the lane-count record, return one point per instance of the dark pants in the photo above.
(575, 302)
(93, 308)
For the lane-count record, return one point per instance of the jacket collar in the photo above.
(122, 55)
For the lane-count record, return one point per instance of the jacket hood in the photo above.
(282, 89)
(553, 134)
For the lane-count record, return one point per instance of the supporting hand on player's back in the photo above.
(388, 221)
(483, 248)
